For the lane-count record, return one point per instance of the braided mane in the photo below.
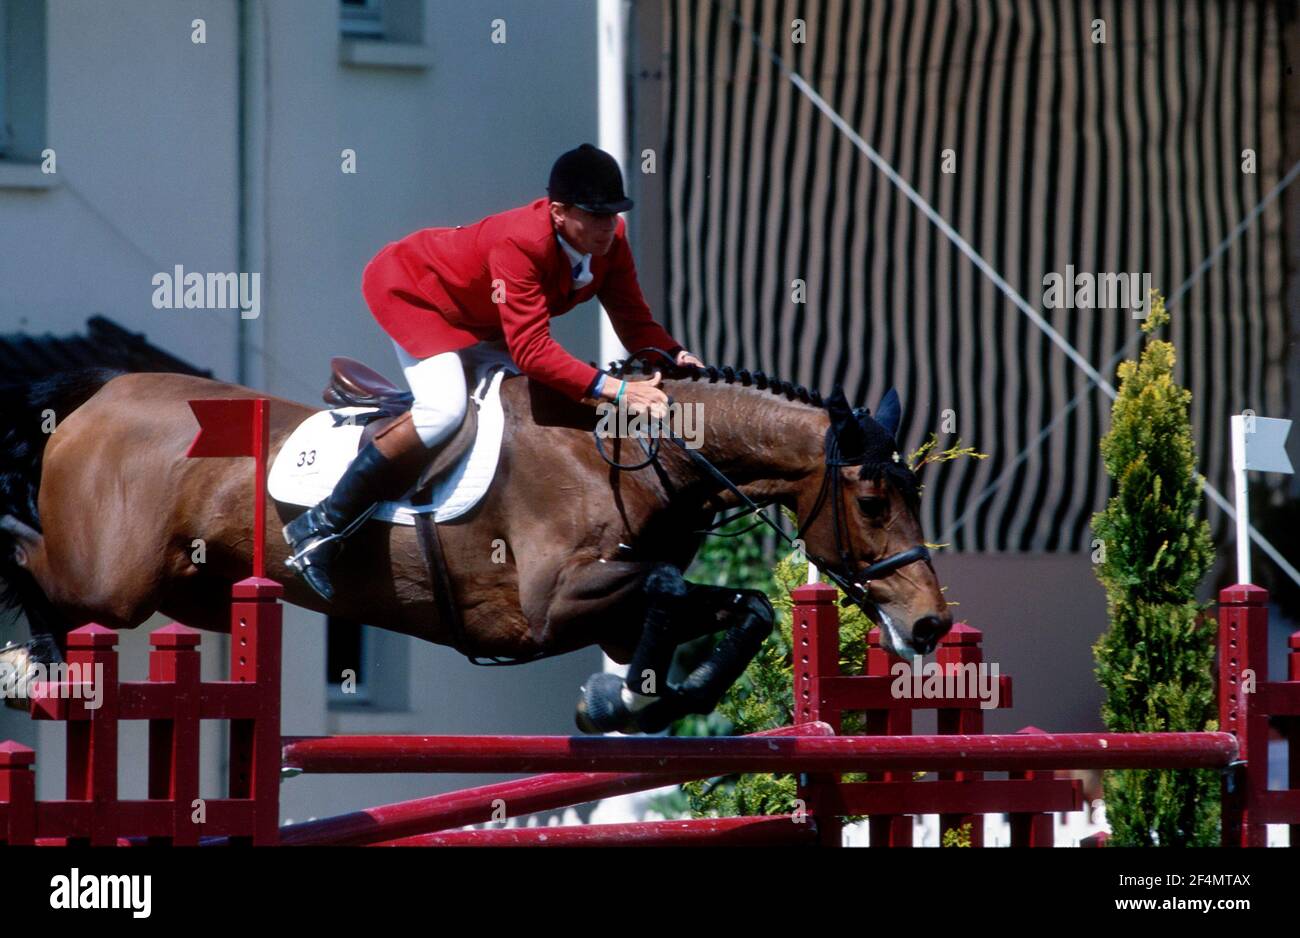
(725, 375)
(878, 462)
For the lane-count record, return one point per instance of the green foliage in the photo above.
(1155, 661)
(928, 453)
(742, 559)
(763, 699)
(957, 837)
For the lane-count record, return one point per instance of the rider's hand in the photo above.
(686, 358)
(644, 397)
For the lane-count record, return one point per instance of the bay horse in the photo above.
(100, 520)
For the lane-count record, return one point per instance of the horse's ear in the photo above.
(890, 412)
(844, 423)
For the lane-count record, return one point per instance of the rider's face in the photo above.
(589, 233)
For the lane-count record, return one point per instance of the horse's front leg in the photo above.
(610, 703)
(677, 612)
(747, 616)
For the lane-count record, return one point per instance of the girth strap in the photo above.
(444, 595)
(426, 530)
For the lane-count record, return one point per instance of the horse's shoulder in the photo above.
(528, 403)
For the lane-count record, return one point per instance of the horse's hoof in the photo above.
(16, 669)
(664, 712)
(657, 717)
(600, 707)
(14, 660)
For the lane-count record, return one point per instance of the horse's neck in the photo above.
(766, 444)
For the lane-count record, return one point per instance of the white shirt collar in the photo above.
(576, 260)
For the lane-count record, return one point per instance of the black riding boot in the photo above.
(384, 469)
(316, 536)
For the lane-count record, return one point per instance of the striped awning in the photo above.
(1044, 149)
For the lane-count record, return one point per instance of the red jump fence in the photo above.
(581, 769)
(174, 701)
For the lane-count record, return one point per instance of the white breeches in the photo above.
(438, 384)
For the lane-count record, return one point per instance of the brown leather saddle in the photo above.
(353, 384)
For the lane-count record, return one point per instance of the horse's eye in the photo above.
(873, 506)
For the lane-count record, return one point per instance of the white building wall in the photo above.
(147, 131)
(141, 122)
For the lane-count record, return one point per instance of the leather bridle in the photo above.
(833, 485)
(855, 583)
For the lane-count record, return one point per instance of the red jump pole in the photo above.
(261, 434)
(483, 804)
(717, 755)
(770, 831)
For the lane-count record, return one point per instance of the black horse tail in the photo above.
(28, 413)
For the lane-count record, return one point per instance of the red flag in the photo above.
(238, 427)
(226, 428)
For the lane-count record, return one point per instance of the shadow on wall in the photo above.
(1040, 615)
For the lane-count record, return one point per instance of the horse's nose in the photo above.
(926, 632)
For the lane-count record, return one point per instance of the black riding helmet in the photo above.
(589, 178)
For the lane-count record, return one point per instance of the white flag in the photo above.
(1259, 443)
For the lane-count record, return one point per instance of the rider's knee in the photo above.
(440, 396)
(437, 419)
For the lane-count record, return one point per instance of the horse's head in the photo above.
(860, 522)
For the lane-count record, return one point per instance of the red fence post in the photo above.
(1031, 829)
(17, 795)
(887, 830)
(256, 619)
(959, 649)
(1243, 665)
(91, 734)
(174, 741)
(1290, 728)
(815, 636)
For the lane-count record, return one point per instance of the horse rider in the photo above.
(491, 287)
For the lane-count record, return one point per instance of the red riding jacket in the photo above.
(443, 289)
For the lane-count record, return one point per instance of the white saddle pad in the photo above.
(314, 457)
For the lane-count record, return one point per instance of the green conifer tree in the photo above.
(1152, 551)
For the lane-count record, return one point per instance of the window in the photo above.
(345, 650)
(362, 18)
(380, 661)
(383, 34)
(22, 80)
(6, 135)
